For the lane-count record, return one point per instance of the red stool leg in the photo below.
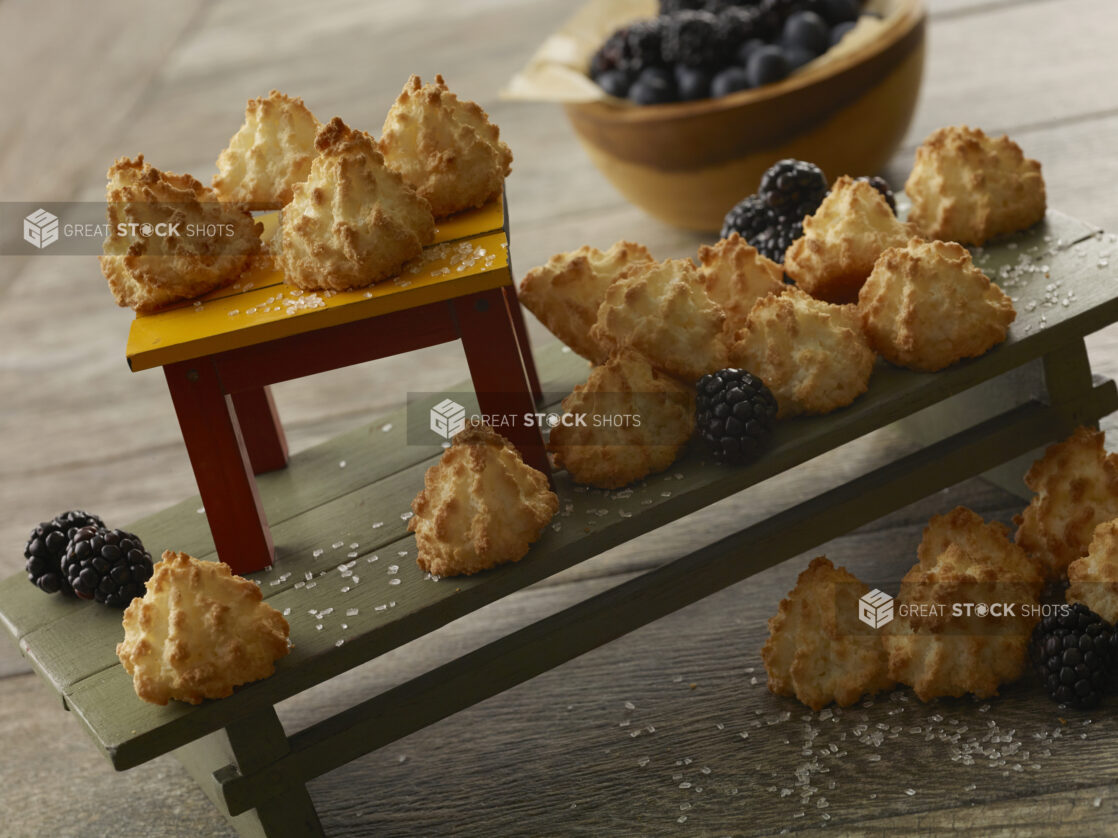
(493, 354)
(260, 425)
(512, 302)
(221, 466)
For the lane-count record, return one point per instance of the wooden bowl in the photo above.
(688, 163)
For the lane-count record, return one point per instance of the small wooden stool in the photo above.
(221, 353)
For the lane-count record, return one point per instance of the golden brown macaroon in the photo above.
(269, 154)
(736, 276)
(811, 354)
(444, 147)
(480, 506)
(1094, 577)
(609, 457)
(975, 537)
(662, 310)
(842, 240)
(1076, 485)
(817, 650)
(565, 294)
(926, 306)
(968, 187)
(198, 632)
(159, 250)
(353, 222)
(938, 652)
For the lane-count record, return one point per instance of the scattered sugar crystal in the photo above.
(395, 581)
(393, 568)
(286, 611)
(339, 642)
(345, 590)
(341, 464)
(351, 612)
(352, 554)
(405, 515)
(380, 608)
(378, 524)
(386, 427)
(201, 510)
(318, 552)
(337, 544)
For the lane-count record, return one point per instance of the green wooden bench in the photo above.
(340, 531)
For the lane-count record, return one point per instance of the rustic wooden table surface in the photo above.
(647, 735)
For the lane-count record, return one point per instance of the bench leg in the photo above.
(245, 747)
(263, 433)
(493, 355)
(512, 303)
(221, 466)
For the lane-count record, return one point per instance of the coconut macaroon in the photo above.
(565, 294)
(1094, 577)
(735, 276)
(353, 222)
(148, 271)
(939, 652)
(1076, 485)
(817, 650)
(444, 147)
(966, 529)
(812, 355)
(662, 310)
(926, 306)
(968, 187)
(480, 506)
(842, 240)
(611, 456)
(269, 154)
(198, 632)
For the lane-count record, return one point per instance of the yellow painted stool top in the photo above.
(469, 254)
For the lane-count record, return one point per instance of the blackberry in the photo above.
(1071, 652)
(760, 225)
(110, 566)
(47, 544)
(611, 55)
(793, 187)
(691, 38)
(630, 49)
(735, 413)
(644, 45)
(881, 186)
(670, 7)
(733, 27)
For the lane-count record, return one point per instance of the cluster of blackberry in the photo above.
(697, 49)
(75, 553)
(1075, 653)
(773, 218)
